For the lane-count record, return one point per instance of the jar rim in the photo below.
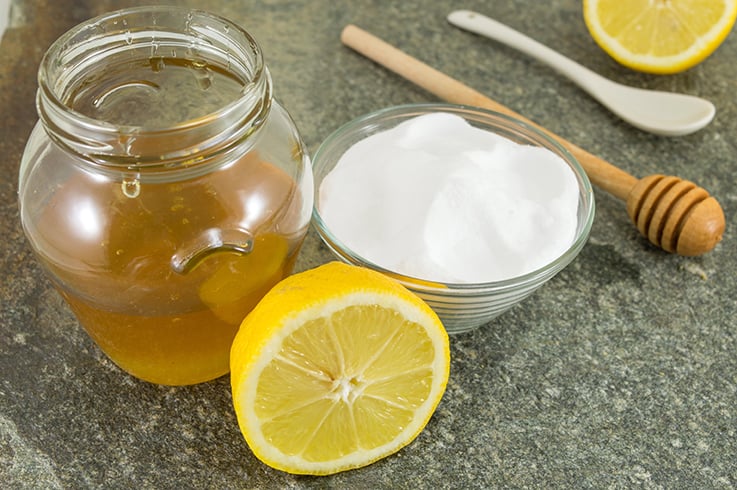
(103, 142)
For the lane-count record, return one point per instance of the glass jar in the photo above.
(164, 190)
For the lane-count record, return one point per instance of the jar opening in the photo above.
(153, 88)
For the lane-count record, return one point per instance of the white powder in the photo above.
(438, 199)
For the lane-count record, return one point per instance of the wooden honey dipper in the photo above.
(674, 214)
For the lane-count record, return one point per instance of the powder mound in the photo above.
(441, 200)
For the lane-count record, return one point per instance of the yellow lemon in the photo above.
(659, 36)
(335, 368)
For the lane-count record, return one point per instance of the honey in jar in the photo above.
(164, 189)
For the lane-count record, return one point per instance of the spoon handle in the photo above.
(680, 218)
(588, 80)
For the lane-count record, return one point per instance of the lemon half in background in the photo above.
(659, 36)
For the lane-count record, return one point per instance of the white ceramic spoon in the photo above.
(663, 113)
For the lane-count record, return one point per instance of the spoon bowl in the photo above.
(657, 112)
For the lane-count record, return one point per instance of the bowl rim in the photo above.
(466, 289)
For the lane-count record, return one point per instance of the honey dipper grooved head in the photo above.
(676, 215)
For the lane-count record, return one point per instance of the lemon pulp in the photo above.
(336, 368)
(659, 36)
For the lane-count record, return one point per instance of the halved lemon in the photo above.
(659, 36)
(335, 368)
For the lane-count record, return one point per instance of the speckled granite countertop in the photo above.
(619, 373)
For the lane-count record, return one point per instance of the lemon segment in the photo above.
(335, 368)
(659, 36)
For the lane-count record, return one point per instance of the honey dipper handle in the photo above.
(601, 173)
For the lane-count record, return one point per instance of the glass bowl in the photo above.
(460, 306)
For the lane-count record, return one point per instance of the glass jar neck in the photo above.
(154, 90)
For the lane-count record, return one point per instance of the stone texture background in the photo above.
(619, 373)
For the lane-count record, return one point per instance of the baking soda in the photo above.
(438, 199)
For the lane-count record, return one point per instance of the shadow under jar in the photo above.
(164, 189)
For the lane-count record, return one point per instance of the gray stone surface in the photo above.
(619, 373)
